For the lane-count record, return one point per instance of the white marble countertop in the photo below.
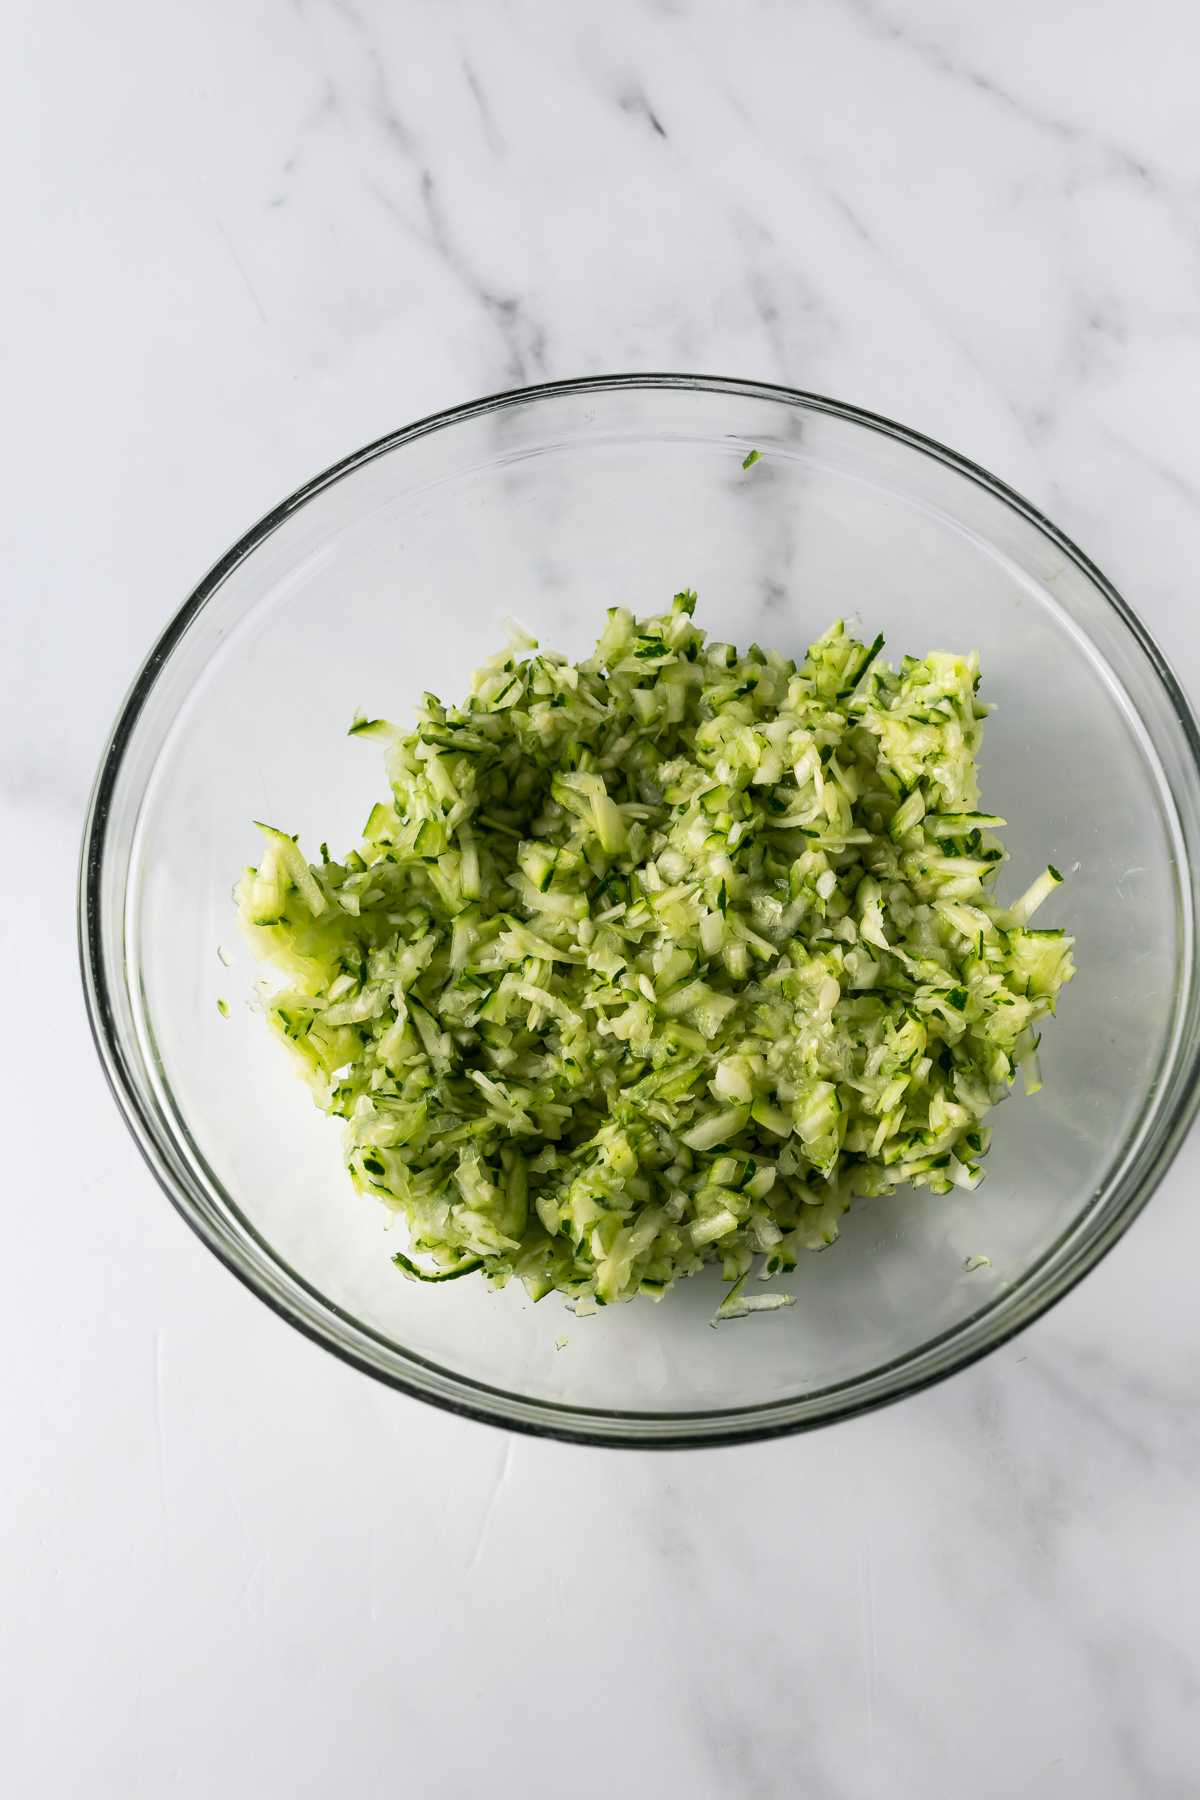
(240, 241)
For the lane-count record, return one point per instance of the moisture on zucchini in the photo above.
(657, 960)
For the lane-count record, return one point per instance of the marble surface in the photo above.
(243, 237)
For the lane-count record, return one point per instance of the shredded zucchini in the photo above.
(657, 960)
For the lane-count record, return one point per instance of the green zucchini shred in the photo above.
(660, 959)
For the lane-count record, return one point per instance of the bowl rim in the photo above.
(554, 1419)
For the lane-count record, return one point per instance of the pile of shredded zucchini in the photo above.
(657, 960)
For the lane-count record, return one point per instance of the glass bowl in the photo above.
(389, 575)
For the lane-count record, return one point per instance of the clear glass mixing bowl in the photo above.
(388, 575)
